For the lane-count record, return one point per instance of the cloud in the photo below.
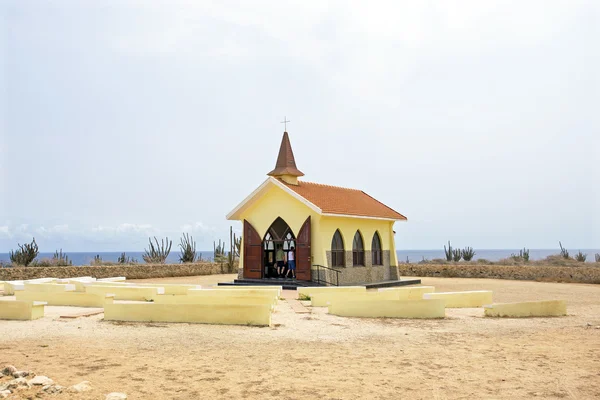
(196, 227)
(4, 231)
(127, 228)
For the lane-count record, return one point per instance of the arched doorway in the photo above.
(278, 235)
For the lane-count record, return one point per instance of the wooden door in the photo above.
(252, 252)
(303, 252)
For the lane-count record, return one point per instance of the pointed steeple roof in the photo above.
(286, 165)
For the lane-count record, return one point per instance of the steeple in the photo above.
(285, 168)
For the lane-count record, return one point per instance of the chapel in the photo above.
(343, 235)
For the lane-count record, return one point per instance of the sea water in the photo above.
(413, 256)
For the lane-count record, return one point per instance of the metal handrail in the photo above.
(327, 283)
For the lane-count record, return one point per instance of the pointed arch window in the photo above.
(337, 250)
(358, 250)
(376, 250)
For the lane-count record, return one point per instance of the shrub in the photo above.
(456, 255)
(25, 255)
(448, 251)
(580, 256)
(188, 249)
(424, 261)
(468, 253)
(97, 260)
(484, 261)
(563, 252)
(439, 261)
(597, 256)
(159, 253)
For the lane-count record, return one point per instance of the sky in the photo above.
(121, 120)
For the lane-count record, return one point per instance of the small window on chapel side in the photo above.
(376, 250)
(358, 250)
(337, 250)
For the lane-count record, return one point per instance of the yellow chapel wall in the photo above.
(367, 227)
(277, 203)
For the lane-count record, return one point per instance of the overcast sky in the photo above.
(478, 120)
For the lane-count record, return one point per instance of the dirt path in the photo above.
(309, 356)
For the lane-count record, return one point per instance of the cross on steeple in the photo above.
(284, 122)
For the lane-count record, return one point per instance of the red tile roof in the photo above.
(344, 201)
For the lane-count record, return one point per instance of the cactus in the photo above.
(522, 256)
(25, 255)
(448, 252)
(468, 253)
(188, 249)
(219, 252)
(580, 256)
(97, 260)
(597, 256)
(456, 255)
(563, 252)
(124, 259)
(60, 259)
(159, 253)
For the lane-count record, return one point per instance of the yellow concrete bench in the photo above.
(122, 292)
(112, 279)
(309, 291)
(247, 287)
(271, 295)
(11, 286)
(195, 313)
(21, 310)
(233, 300)
(49, 287)
(72, 299)
(171, 288)
(477, 298)
(546, 308)
(324, 299)
(389, 309)
(410, 292)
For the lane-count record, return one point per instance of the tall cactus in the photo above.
(448, 251)
(157, 254)
(563, 252)
(456, 255)
(25, 255)
(188, 249)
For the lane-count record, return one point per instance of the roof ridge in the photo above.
(331, 186)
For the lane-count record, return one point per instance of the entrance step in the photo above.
(404, 282)
(286, 284)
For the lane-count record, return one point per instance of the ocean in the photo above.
(414, 256)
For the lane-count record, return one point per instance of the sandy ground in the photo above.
(311, 356)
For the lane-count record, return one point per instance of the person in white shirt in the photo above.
(291, 262)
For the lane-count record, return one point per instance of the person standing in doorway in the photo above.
(291, 261)
(280, 259)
